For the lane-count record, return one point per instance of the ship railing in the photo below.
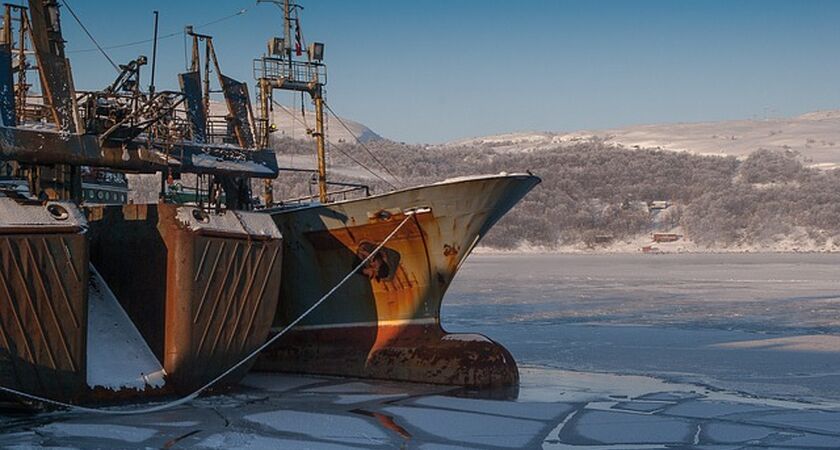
(293, 71)
(339, 194)
(218, 131)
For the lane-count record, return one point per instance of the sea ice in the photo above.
(705, 409)
(521, 410)
(735, 433)
(100, 431)
(330, 427)
(273, 383)
(469, 428)
(250, 441)
(621, 428)
(820, 421)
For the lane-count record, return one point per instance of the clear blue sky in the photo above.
(436, 70)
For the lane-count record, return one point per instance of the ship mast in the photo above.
(279, 69)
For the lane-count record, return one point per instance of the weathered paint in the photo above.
(43, 299)
(385, 322)
(201, 295)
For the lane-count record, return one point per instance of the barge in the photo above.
(189, 288)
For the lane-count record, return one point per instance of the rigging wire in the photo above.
(161, 37)
(350, 157)
(84, 28)
(359, 141)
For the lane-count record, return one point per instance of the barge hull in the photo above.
(201, 287)
(43, 298)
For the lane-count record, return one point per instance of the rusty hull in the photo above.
(43, 299)
(201, 287)
(385, 321)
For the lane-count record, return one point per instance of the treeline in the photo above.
(590, 189)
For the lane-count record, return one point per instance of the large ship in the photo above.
(103, 300)
(385, 322)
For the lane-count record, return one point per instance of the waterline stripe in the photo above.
(375, 323)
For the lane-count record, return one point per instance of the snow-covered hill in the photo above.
(816, 136)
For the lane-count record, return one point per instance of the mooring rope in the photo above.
(196, 393)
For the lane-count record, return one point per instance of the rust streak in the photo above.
(232, 299)
(28, 296)
(245, 296)
(27, 345)
(70, 260)
(60, 283)
(201, 262)
(425, 246)
(216, 301)
(262, 291)
(48, 300)
(207, 287)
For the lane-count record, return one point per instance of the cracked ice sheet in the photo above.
(322, 426)
(553, 385)
(730, 433)
(536, 411)
(250, 441)
(705, 409)
(820, 421)
(622, 428)
(35, 447)
(273, 383)
(469, 428)
(123, 433)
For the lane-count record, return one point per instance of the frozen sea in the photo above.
(711, 351)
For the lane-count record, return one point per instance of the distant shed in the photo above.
(666, 237)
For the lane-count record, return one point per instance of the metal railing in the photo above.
(296, 71)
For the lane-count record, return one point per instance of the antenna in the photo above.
(154, 56)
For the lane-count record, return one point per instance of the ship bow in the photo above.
(385, 321)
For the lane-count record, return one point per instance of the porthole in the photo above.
(58, 212)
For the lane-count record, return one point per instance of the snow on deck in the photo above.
(234, 222)
(206, 161)
(118, 356)
(14, 214)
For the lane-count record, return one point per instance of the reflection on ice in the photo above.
(332, 427)
(469, 428)
(536, 411)
(603, 411)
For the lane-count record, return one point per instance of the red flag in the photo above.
(298, 45)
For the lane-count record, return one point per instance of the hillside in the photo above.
(815, 136)
(606, 194)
